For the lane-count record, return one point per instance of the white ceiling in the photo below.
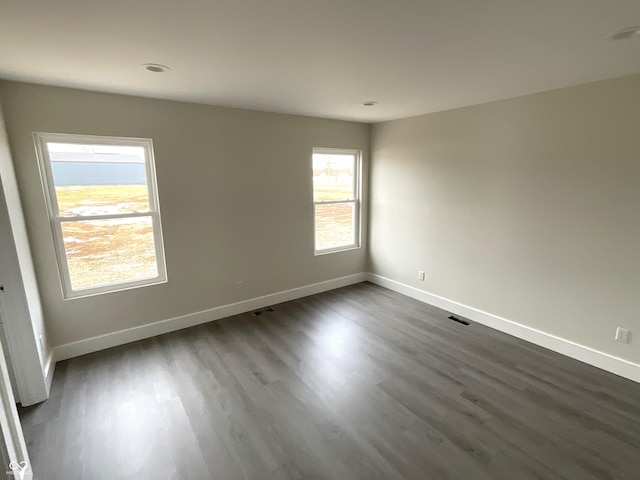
(319, 57)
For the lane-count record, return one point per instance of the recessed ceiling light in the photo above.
(625, 33)
(369, 103)
(156, 67)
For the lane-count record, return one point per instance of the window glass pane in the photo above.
(98, 179)
(103, 252)
(335, 225)
(333, 177)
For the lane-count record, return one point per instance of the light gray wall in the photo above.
(526, 208)
(235, 198)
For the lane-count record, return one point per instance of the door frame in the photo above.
(15, 459)
(19, 297)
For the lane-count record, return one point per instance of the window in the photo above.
(336, 199)
(103, 208)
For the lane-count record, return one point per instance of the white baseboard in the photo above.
(101, 342)
(605, 361)
(602, 360)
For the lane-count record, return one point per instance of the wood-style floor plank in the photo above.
(359, 383)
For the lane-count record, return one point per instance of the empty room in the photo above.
(286, 239)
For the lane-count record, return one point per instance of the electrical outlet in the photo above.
(622, 335)
(239, 285)
(421, 275)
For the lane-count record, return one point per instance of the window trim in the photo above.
(356, 201)
(56, 221)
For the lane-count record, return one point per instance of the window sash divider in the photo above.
(111, 216)
(330, 202)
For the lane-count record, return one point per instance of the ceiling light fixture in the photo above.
(625, 33)
(156, 67)
(369, 103)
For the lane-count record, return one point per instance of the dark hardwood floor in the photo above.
(356, 383)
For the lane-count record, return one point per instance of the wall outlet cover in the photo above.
(622, 335)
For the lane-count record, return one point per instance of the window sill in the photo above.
(92, 292)
(347, 248)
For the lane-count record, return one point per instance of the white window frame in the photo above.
(357, 189)
(56, 221)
